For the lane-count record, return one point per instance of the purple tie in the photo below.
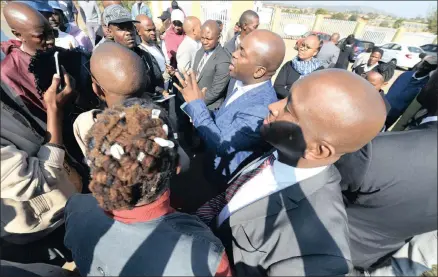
(213, 207)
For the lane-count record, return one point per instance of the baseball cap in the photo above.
(164, 16)
(55, 5)
(177, 15)
(39, 5)
(114, 14)
(432, 60)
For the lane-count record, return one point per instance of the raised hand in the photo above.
(190, 89)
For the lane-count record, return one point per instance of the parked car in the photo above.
(430, 49)
(402, 55)
(322, 36)
(359, 46)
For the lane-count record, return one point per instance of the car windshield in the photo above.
(364, 44)
(431, 48)
(414, 49)
(323, 37)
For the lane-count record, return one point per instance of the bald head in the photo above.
(210, 35)
(29, 26)
(119, 71)
(335, 111)
(192, 27)
(269, 49)
(20, 16)
(249, 21)
(335, 38)
(212, 26)
(376, 79)
(146, 29)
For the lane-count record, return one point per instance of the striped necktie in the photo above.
(201, 63)
(213, 207)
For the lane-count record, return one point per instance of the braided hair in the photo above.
(140, 173)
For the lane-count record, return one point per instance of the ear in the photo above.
(98, 91)
(319, 151)
(16, 34)
(260, 72)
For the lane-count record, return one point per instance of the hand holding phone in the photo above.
(59, 72)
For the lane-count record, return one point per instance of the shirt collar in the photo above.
(143, 213)
(239, 85)
(418, 78)
(429, 119)
(285, 173)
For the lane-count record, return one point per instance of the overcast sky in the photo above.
(399, 8)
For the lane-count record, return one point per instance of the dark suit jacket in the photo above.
(301, 230)
(230, 46)
(345, 56)
(390, 188)
(215, 76)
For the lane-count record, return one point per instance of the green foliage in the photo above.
(431, 22)
(339, 16)
(372, 15)
(321, 11)
(397, 24)
(384, 24)
(353, 17)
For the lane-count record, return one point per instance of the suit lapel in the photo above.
(198, 58)
(285, 199)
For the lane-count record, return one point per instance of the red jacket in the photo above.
(15, 73)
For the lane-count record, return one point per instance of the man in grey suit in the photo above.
(211, 66)
(249, 21)
(329, 53)
(283, 214)
(390, 187)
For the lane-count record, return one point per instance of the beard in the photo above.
(287, 138)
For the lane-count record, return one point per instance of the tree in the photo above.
(339, 16)
(353, 17)
(384, 24)
(397, 24)
(321, 11)
(431, 22)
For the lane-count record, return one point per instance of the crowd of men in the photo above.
(315, 173)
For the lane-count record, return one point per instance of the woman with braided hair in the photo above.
(127, 227)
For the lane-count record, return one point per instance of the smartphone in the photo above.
(58, 71)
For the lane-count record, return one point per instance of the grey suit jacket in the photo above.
(214, 76)
(390, 188)
(301, 230)
(230, 46)
(328, 55)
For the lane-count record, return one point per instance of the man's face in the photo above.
(251, 25)
(37, 37)
(209, 39)
(308, 48)
(374, 58)
(283, 130)
(243, 62)
(197, 31)
(55, 19)
(147, 32)
(123, 33)
(177, 27)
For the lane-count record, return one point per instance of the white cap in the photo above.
(177, 14)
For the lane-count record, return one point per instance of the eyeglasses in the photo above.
(306, 46)
(86, 65)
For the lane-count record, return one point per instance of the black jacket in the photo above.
(156, 85)
(285, 79)
(346, 56)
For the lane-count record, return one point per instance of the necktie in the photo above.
(213, 207)
(201, 63)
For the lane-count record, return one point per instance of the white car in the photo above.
(401, 54)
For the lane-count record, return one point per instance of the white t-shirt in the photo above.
(154, 51)
(64, 40)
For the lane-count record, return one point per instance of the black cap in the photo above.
(165, 15)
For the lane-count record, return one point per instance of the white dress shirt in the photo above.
(429, 119)
(185, 55)
(269, 181)
(241, 89)
(64, 40)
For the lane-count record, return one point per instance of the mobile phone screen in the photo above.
(58, 71)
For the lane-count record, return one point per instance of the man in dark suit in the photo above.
(211, 66)
(232, 134)
(283, 214)
(249, 21)
(390, 187)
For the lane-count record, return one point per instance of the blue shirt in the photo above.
(135, 10)
(403, 92)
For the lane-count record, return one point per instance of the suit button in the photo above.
(101, 271)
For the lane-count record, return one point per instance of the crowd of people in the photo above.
(316, 173)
